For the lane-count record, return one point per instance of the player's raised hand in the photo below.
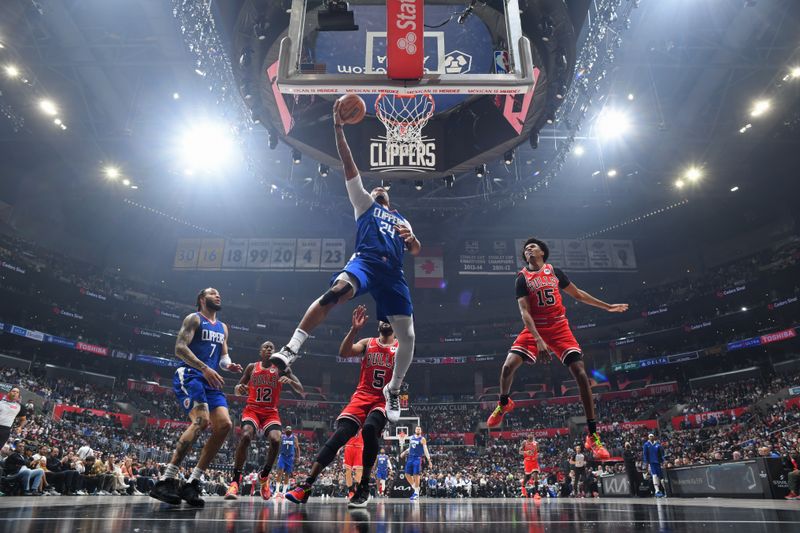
(405, 233)
(337, 118)
(286, 380)
(240, 389)
(617, 308)
(359, 317)
(213, 378)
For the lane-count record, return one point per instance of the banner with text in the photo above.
(294, 255)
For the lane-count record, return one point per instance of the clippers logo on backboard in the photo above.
(409, 157)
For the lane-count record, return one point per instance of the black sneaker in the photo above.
(361, 496)
(166, 490)
(283, 358)
(190, 493)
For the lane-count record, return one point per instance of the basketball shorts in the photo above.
(361, 405)
(386, 284)
(413, 466)
(353, 456)
(382, 475)
(286, 463)
(531, 465)
(655, 470)
(557, 336)
(263, 420)
(191, 389)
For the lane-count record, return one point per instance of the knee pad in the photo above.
(332, 295)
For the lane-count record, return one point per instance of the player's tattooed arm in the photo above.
(185, 336)
(584, 297)
(241, 387)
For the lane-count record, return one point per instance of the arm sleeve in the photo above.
(563, 280)
(359, 196)
(521, 286)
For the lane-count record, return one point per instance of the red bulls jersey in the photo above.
(531, 450)
(264, 387)
(542, 288)
(377, 367)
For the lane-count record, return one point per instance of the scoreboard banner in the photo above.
(503, 256)
(285, 254)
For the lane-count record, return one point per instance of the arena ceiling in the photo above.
(692, 69)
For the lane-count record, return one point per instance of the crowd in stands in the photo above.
(82, 453)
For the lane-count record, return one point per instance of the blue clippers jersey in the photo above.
(207, 342)
(383, 463)
(376, 237)
(287, 445)
(415, 444)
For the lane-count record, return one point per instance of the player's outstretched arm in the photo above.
(225, 362)
(349, 348)
(584, 297)
(425, 449)
(522, 448)
(288, 378)
(241, 388)
(359, 196)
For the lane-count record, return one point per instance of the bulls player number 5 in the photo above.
(378, 379)
(264, 394)
(545, 297)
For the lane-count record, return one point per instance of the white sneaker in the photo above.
(392, 404)
(283, 358)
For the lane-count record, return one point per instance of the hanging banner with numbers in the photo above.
(497, 257)
(276, 254)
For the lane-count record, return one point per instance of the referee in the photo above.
(10, 409)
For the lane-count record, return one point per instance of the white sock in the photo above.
(171, 472)
(404, 331)
(297, 340)
(196, 474)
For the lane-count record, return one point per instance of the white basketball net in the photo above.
(404, 116)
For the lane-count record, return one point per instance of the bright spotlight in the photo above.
(760, 107)
(794, 72)
(297, 157)
(480, 170)
(579, 150)
(734, 188)
(126, 182)
(679, 184)
(57, 121)
(207, 145)
(612, 124)
(693, 174)
(12, 71)
(48, 107)
(419, 184)
(630, 96)
(111, 173)
(611, 173)
(744, 309)
(176, 96)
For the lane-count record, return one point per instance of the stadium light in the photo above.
(176, 96)
(48, 107)
(612, 124)
(579, 150)
(323, 170)
(297, 157)
(449, 181)
(208, 145)
(111, 172)
(794, 72)
(126, 182)
(611, 173)
(693, 174)
(679, 184)
(760, 107)
(630, 97)
(734, 188)
(480, 170)
(12, 71)
(508, 157)
(419, 184)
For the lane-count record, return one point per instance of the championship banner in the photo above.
(429, 268)
(404, 40)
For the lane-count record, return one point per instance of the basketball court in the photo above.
(142, 514)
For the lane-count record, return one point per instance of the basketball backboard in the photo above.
(356, 56)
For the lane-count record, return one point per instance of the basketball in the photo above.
(352, 108)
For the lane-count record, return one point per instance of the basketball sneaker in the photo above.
(361, 496)
(536, 497)
(594, 443)
(283, 358)
(299, 494)
(166, 490)
(392, 404)
(524, 492)
(499, 412)
(266, 492)
(233, 492)
(190, 493)
(414, 496)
